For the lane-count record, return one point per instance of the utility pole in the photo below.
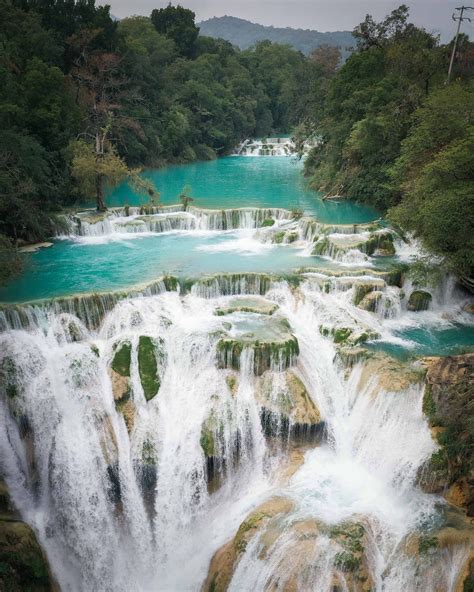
(460, 19)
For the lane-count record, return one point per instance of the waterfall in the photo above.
(135, 452)
(266, 147)
(156, 219)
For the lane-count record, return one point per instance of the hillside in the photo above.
(244, 34)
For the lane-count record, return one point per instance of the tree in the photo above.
(177, 23)
(436, 173)
(185, 196)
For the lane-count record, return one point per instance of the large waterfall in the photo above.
(135, 444)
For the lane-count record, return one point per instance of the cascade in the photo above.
(131, 428)
(171, 218)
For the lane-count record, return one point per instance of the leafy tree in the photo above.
(436, 173)
(177, 23)
(185, 196)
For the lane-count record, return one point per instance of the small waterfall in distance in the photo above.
(135, 467)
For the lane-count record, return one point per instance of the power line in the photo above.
(460, 19)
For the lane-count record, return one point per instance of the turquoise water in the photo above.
(109, 263)
(238, 181)
(430, 341)
(70, 268)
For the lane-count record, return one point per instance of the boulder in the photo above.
(419, 300)
(370, 301)
(23, 565)
(272, 522)
(288, 411)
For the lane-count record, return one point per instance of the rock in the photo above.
(268, 222)
(370, 301)
(35, 247)
(447, 403)
(23, 565)
(273, 523)
(150, 351)
(271, 340)
(225, 559)
(121, 359)
(348, 336)
(350, 356)
(392, 375)
(288, 412)
(247, 304)
(362, 289)
(469, 308)
(419, 300)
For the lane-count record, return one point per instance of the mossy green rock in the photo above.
(268, 222)
(122, 358)
(419, 300)
(148, 366)
(265, 354)
(23, 565)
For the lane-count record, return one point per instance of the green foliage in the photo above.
(394, 136)
(177, 23)
(436, 172)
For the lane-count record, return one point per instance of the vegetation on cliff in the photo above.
(395, 136)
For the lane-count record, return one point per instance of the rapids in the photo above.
(142, 425)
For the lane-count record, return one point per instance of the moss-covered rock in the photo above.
(148, 351)
(447, 404)
(370, 301)
(23, 565)
(348, 336)
(226, 558)
(419, 300)
(10, 378)
(268, 222)
(294, 570)
(361, 289)
(266, 354)
(122, 358)
(279, 237)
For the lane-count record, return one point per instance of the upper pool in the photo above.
(111, 263)
(238, 181)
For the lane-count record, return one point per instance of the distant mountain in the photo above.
(245, 34)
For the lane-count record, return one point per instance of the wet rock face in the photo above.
(23, 565)
(448, 405)
(270, 340)
(271, 524)
(289, 412)
(419, 300)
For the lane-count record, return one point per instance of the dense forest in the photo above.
(86, 102)
(392, 133)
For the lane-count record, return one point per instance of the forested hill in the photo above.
(244, 34)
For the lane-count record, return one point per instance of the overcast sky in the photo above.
(322, 15)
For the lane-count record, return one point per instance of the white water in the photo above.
(161, 530)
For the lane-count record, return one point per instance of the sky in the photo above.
(321, 15)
